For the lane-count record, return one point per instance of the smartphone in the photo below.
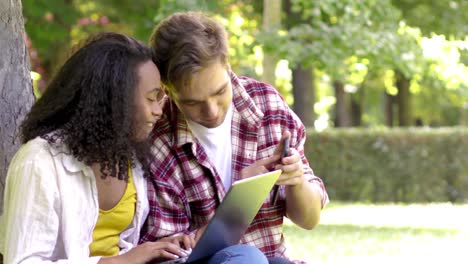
(286, 148)
(284, 154)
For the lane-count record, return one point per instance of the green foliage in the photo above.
(48, 24)
(392, 165)
(167, 7)
(326, 33)
(447, 17)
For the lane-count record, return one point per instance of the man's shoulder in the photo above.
(161, 139)
(162, 130)
(255, 87)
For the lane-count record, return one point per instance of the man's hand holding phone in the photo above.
(285, 158)
(290, 163)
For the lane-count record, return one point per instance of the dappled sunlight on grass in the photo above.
(359, 233)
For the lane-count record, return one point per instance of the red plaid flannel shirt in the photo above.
(185, 188)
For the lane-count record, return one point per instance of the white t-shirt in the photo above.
(217, 144)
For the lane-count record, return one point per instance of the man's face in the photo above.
(207, 99)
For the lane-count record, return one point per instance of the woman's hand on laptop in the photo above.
(184, 241)
(146, 252)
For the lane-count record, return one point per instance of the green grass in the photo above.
(387, 233)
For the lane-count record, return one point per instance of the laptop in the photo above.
(233, 216)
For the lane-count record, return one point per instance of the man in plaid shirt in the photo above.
(219, 128)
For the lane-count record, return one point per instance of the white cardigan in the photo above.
(51, 207)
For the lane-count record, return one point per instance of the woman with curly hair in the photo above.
(75, 191)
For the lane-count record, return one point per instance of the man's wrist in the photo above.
(298, 186)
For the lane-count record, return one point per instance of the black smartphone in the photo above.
(286, 148)
(285, 154)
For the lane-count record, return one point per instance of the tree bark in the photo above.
(304, 94)
(388, 108)
(16, 93)
(404, 99)
(356, 112)
(342, 115)
(302, 77)
(271, 23)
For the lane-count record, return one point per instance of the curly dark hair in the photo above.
(89, 105)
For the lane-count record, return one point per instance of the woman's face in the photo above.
(148, 100)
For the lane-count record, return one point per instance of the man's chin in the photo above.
(213, 124)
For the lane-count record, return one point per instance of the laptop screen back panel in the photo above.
(234, 215)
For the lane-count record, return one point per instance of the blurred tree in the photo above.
(324, 34)
(442, 88)
(303, 86)
(437, 94)
(442, 17)
(15, 80)
(271, 24)
(49, 24)
(54, 25)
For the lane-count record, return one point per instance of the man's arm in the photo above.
(304, 202)
(304, 191)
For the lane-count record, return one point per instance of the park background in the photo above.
(382, 86)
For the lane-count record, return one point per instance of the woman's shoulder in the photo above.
(37, 149)
(36, 146)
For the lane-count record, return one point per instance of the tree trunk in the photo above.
(304, 94)
(404, 99)
(342, 115)
(302, 78)
(271, 23)
(356, 112)
(464, 114)
(15, 83)
(388, 108)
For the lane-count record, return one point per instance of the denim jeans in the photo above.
(238, 254)
(278, 260)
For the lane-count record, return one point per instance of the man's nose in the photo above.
(211, 108)
(156, 109)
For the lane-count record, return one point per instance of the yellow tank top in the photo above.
(111, 223)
